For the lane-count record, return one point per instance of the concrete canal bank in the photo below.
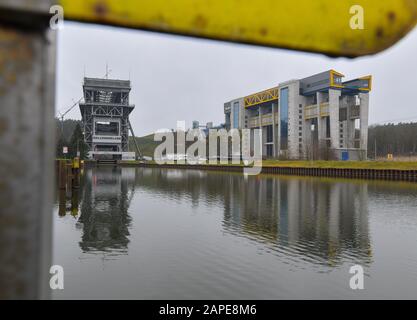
(364, 170)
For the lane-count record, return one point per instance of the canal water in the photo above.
(144, 233)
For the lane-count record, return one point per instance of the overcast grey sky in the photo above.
(176, 78)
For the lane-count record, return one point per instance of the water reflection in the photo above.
(323, 220)
(104, 218)
(169, 234)
(71, 208)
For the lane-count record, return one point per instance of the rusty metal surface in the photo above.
(40, 6)
(26, 162)
(32, 14)
(317, 26)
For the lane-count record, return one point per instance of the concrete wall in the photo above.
(334, 117)
(364, 114)
(293, 115)
(315, 82)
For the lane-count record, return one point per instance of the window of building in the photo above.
(236, 115)
(357, 101)
(269, 150)
(107, 128)
(327, 127)
(284, 118)
(337, 79)
(227, 120)
(269, 134)
(342, 114)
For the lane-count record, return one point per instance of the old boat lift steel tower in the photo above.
(105, 116)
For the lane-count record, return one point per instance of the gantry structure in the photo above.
(105, 116)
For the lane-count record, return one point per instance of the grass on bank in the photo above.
(399, 165)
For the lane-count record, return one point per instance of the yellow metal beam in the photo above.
(317, 26)
(369, 78)
(261, 97)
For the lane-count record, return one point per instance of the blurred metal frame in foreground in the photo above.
(27, 89)
(322, 26)
(27, 130)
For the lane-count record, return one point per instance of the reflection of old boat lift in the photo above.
(69, 176)
(105, 220)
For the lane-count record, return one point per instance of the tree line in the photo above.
(69, 134)
(398, 139)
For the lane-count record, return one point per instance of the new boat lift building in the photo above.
(319, 117)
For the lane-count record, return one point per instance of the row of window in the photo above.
(300, 126)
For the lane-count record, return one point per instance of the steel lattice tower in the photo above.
(105, 116)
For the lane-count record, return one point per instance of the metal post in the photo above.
(134, 140)
(274, 147)
(27, 140)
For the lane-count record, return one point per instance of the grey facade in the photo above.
(105, 116)
(318, 117)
